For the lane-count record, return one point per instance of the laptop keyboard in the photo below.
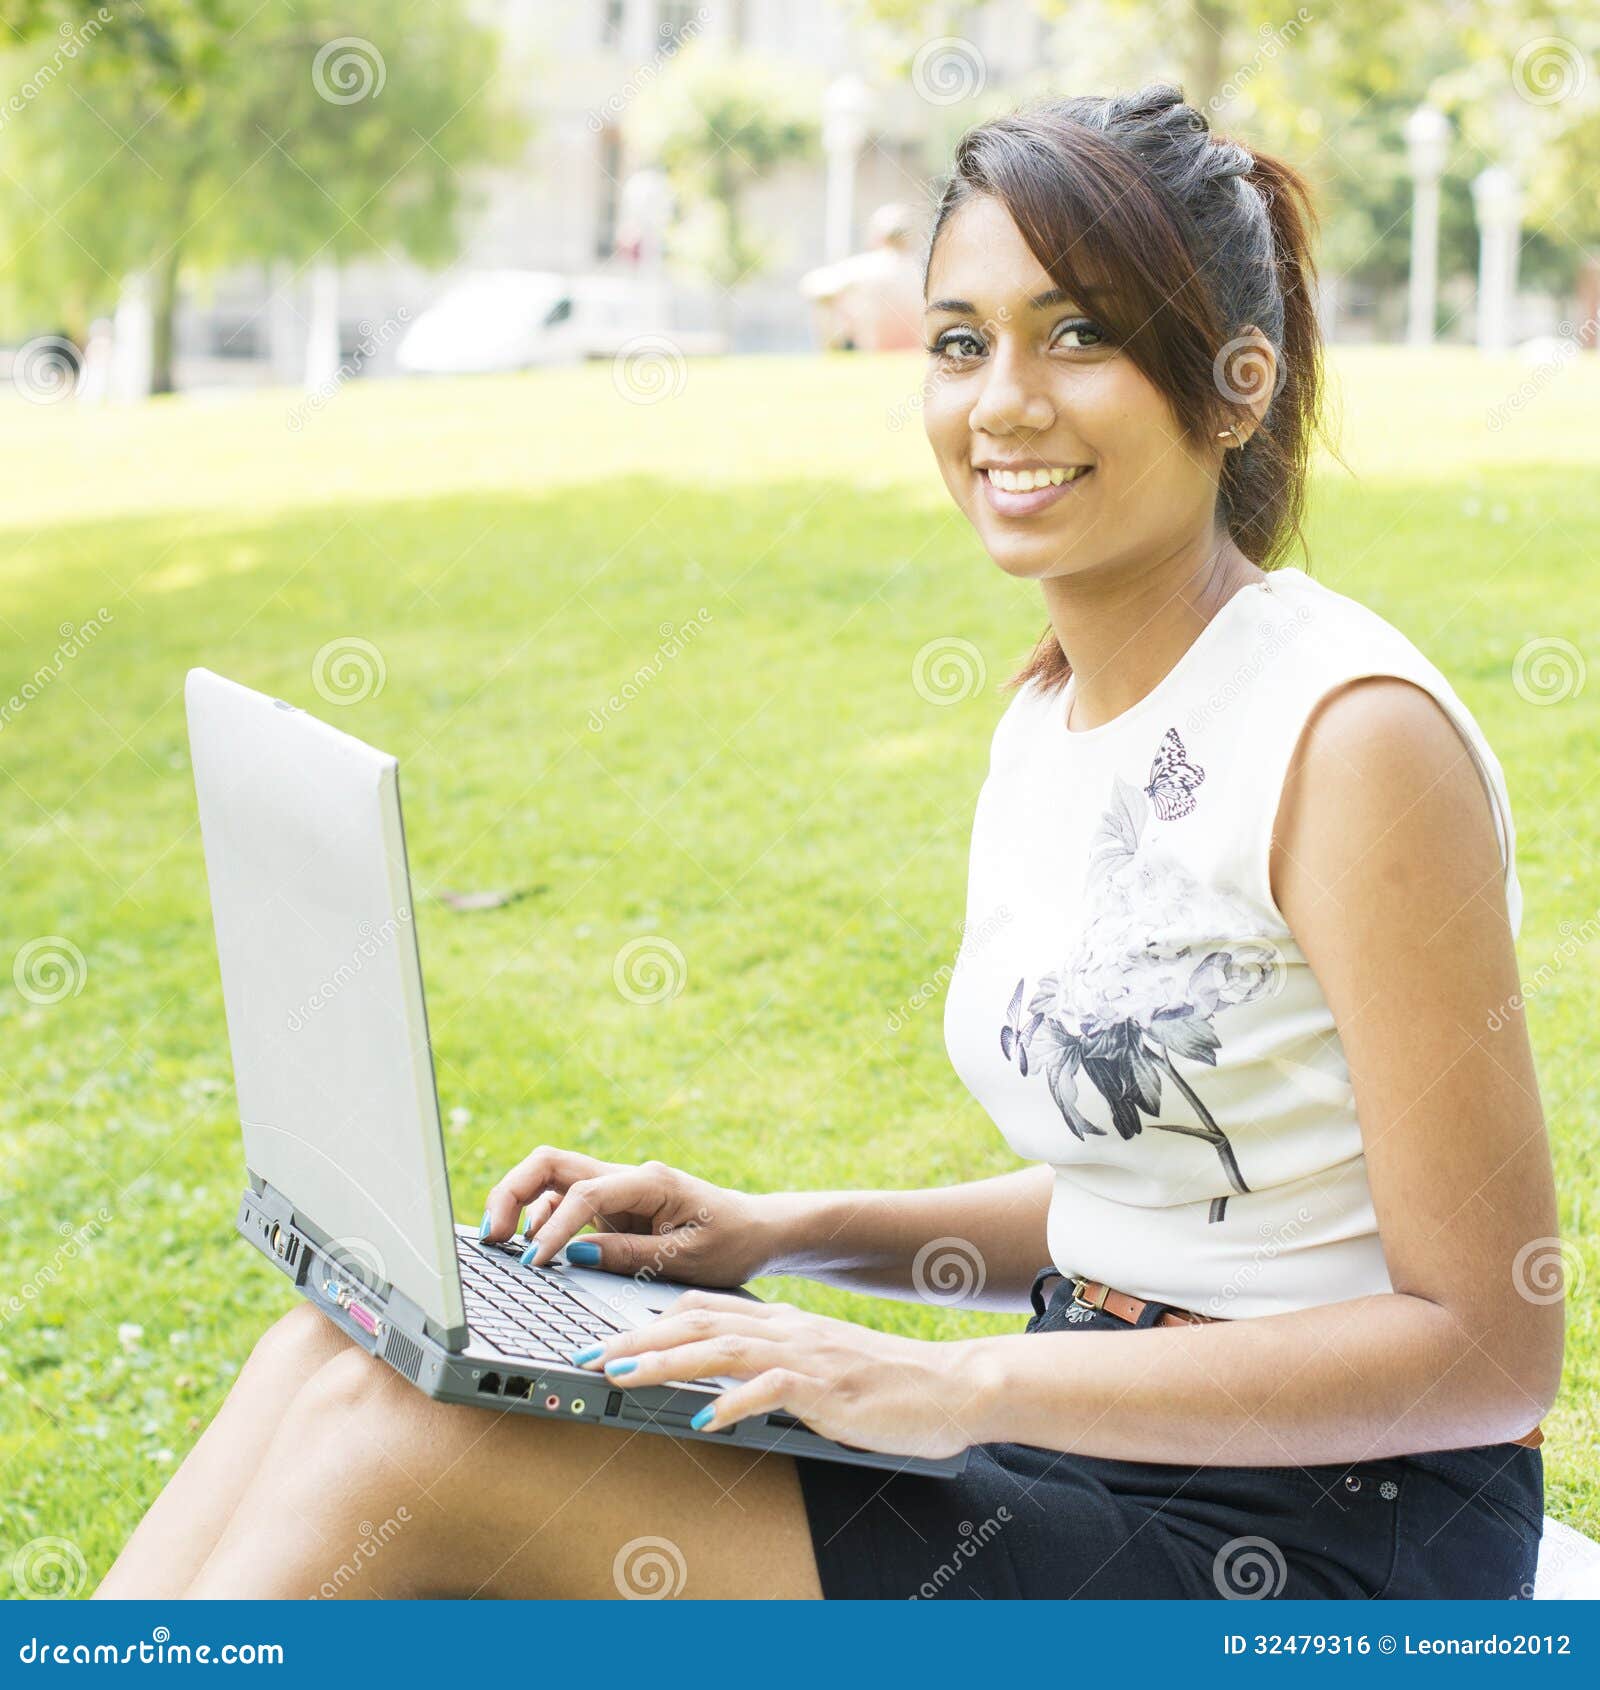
(525, 1310)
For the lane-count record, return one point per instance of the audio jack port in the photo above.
(576, 1405)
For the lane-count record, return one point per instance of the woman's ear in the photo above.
(1248, 375)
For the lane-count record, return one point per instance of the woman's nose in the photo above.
(1014, 399)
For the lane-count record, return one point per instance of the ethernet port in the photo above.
(489, 1385)
(521, 1389)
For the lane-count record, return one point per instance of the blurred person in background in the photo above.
(872, 301)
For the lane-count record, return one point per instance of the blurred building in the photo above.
(563, 207)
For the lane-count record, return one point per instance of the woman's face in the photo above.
(1060, 452)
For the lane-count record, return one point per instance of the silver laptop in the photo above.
(348, 1195)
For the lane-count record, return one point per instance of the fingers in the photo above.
(738, 1354)
(624, 1253)
(672, 1334)
(545, 1169)
(638, 1191)
(779, 1389)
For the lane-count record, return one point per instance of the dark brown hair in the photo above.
(1176, 241)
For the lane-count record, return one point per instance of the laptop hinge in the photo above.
(403, 1309)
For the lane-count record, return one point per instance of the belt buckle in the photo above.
(1097, 1304)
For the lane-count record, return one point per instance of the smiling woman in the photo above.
(1242, 889)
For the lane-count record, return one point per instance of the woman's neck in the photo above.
(1123, 630)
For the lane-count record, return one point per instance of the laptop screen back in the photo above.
(305, 854)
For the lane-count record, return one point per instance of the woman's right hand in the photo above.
(646, 1218)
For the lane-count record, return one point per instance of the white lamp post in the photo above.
(846, 104)
(1427, 134)
(1498, 202)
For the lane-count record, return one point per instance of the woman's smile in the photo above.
(1024, 489)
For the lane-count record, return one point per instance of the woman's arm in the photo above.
(978, 1245)
(1387, 870)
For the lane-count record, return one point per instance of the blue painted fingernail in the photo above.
(483, 1225)
(531, 1251)
(579, 1357)
(583, 1253)
(625, 1365)
(703, 1418)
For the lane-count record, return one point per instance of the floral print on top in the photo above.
(1125, 1009)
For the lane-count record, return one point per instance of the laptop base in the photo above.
(351, 1293)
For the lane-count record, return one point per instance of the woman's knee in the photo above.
(294, 1348)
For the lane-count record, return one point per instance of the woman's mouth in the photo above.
(1026, 489)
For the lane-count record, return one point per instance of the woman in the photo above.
(1241, 906)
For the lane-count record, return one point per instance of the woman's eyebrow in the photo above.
(1045, 301)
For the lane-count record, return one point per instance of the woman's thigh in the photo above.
(373, 1489)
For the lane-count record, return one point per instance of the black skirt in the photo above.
(1035, 1523)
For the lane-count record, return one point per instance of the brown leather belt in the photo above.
(1093, 1295)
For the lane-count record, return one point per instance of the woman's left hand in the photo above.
(902, 1396)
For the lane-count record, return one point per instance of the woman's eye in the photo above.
(1079, 335)
(957, 343)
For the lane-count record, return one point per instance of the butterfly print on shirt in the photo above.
(1173, 778)
(1016, 1034)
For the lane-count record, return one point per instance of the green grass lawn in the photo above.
(779, 801)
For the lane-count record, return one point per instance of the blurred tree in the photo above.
(158, 137)
(718, 123)
(1331, 90)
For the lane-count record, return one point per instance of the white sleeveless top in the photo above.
(1129, 1004)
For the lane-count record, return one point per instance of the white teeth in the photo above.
(1029, 480)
